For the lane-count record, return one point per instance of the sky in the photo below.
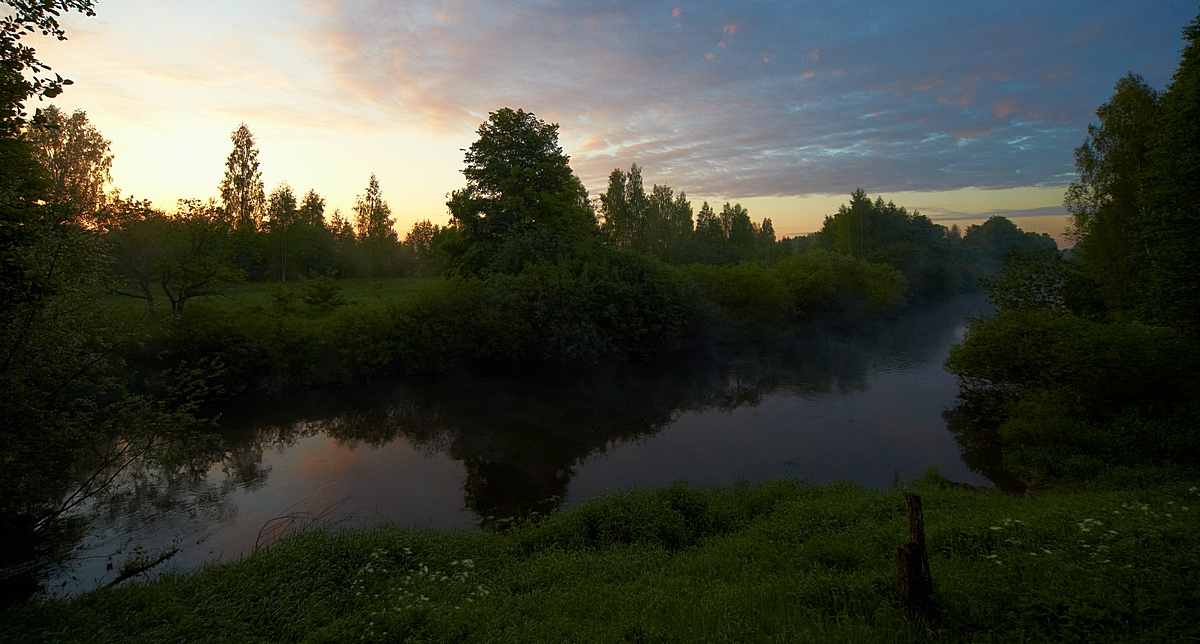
(960, 110)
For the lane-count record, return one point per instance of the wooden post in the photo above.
(916, 585)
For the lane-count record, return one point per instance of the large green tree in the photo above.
(522, 203)
(1167, 236)
(1105, 200)
(77, 158)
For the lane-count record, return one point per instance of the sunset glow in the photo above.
(959, 112)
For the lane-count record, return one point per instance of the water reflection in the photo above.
(470, 448)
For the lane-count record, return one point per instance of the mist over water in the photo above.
(468, 449)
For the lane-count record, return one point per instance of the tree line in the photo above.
(248, 234)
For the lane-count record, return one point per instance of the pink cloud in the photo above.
(1004, 107)
(808, 74)
(970, 132)
(730, 28)
(960, 101)
(676, 12)
(814, 55)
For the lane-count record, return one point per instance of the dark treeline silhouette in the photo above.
(522, 207)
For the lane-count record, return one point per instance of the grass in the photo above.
(783, 561)
(261, 296)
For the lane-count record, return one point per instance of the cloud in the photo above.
(927, 96)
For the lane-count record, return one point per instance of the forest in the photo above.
(123, 321)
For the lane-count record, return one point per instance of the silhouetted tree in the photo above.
(20, 68)
(1168, 234)
(283, 221)
(77, 159)
(521, 203)
(196, 258)
(1104, 200)
(242, 193)
(341, 232)
(376, 227)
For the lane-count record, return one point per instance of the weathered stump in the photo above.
(916, 584)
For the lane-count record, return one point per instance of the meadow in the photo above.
(783, 561)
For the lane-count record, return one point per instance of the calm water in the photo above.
(465, 450)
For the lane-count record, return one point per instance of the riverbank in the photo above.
(782, 561)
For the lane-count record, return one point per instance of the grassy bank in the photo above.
(782, 561)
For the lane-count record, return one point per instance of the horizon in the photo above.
(758, 103)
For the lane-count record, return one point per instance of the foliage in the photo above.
(423, 242)
(322, 291)
(23, 182)
(522, 203)
(820, 282)
(376, 229)
(743, 302)
(1168, 231)
(71, 424)
(658, 223)
(242, 194)
(20, 68)
(185, 255)
(1071, 389)
(885, 233)
(77, 159)
(996, 242)
(1105, 200)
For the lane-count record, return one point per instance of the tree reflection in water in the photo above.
(521, 433)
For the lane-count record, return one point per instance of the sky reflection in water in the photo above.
(464, 449)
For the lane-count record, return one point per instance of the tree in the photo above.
(196, 264)
(375, 225)
(312, 209)
(420, 240)
(521, 203)
(283, 220)
(19, 65)
(76, 158)
(314, 243)
(618, 227)
(1104, 201)
(242, 193)
(739, 230)
(137, 232)
(680, 225)
(341, 234)
(1168, 233)
(998, 240)
(766, 234)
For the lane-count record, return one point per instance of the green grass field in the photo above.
(262, 296)
(783, 561)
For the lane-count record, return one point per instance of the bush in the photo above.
(1077, 396)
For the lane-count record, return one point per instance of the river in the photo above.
(466, 450)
